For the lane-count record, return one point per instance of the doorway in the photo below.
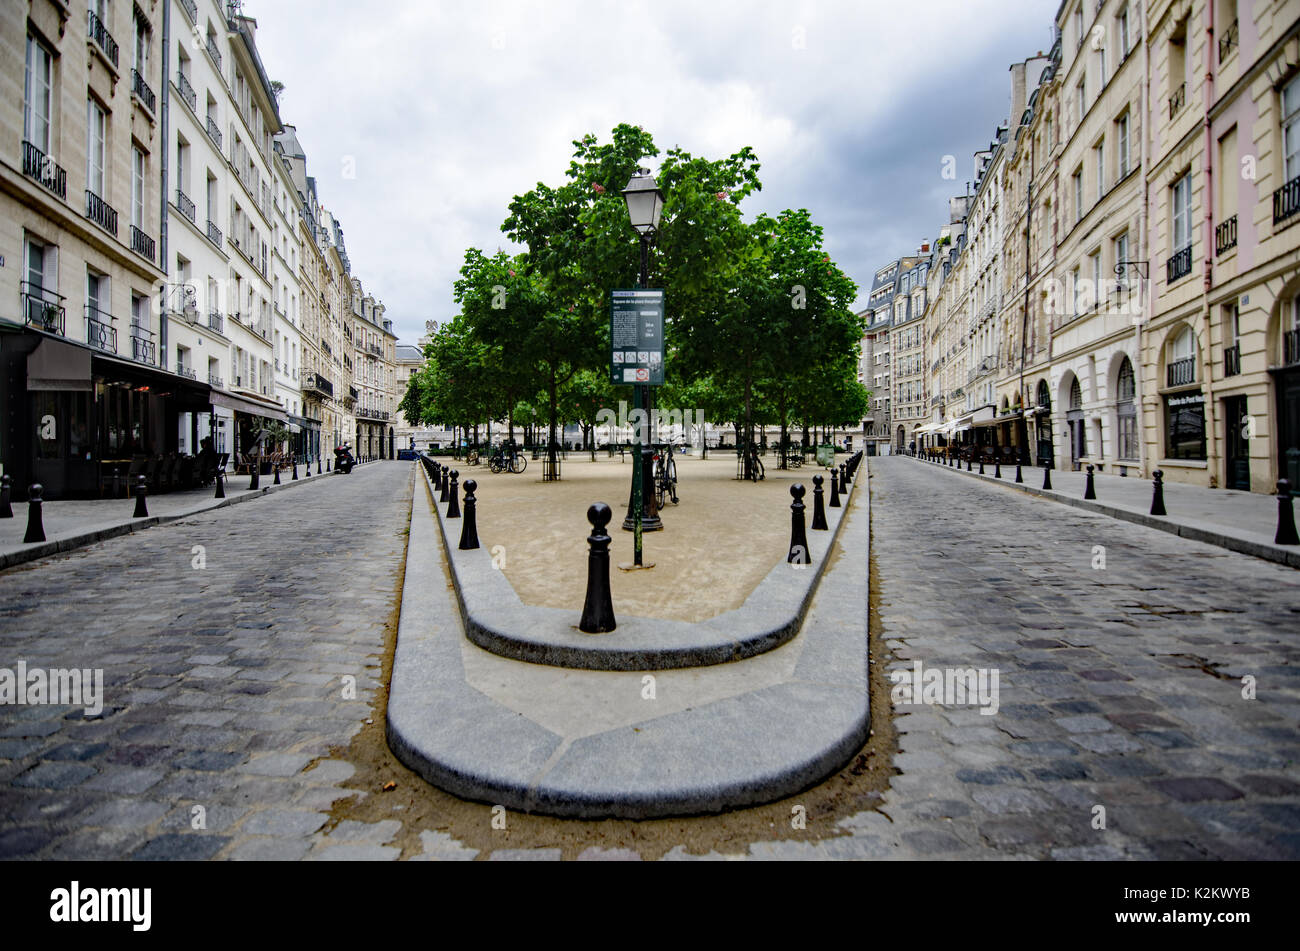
(1236, 443)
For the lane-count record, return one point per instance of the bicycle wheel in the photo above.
(494, 465)
(518, 464)
(472, 457)
(671, 480)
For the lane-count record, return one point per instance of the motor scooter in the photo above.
(343, 461)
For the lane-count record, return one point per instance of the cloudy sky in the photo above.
(421, 124)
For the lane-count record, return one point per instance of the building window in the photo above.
(1181, 213)
(1121, 147)
(1291, 129)
(1078, 195)
(1121, 28)
(37, 95)
(137, 188)
(1099, 161)
(1185, 426)
(1126, 412)
(1081, 98)
(96, 132)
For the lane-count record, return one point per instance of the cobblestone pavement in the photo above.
(1121, 653)
(222, 683)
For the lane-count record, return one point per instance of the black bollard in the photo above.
(1286, 533)
(469, 529)
(221, 485)
(6, 510)
(819, 509)
(598, 609)
(141, 487)
(835, 489)
(1047, 477)
(997, 468)
(442, 489)
(1019, 478)
(433, 475)
(256, 478)
(327, 463)
(453, 503)
(798, 537)
(968, 458)
(844, 478)
(1158, 494)
(1088, 491)
(981, 463)
(295, 469)
(35, 525)
(275, 467)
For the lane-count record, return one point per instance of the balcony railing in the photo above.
(214, 233)
(102, 38)
(101, 212)
(1291, 347)
(1179, 266)
(214, 133)
(39, 166)
(1181, 372)
(326, 347)
(183, 370)
(191, 10)
(217, 322)
(141, 89)
(1286, 200)
(213, 51)
(187, 92)
(1177, 99)
(184, 205)
(42, 309)
(1228, 41)
(1225, 235)
(375, 349)
(143, 347)
(141, 243)
(100, 331)
(215, 380)
(314, 381)
(1232, 360)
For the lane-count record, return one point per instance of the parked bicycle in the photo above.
(507, 459)
(665, 475)
(754, 466)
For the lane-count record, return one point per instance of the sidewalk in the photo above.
(77, 522)
(1244, 522)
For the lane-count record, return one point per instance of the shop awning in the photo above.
(984, 416)
(187, 396)
(249, 405)
(59, 366)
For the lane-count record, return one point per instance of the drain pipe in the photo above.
(1207, 87)
(1144, 236)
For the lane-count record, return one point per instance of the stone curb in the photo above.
(498, 621)
(741, 750)
(70, 541)
(1259, 547)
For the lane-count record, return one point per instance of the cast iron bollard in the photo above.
(1047, 477)
(221, 485)
(275, 467)
(141, 487)
(453, 504)
(798, 537)
(981, 463)
(1089, 492)
(1019, 478)
(469, 528)
(256, 479)
(1286, 533)
(433, 474)
(6, 510)
(835, 489)
(1158, 494)
(35, 525)
(442, 495)
(327, 463)
(598, 609)
(295, 469)
(844, 478)
(968, 462)
(997, 467)
(819, 510)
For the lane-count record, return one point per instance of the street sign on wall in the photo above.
(636, 336)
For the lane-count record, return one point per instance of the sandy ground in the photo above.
(717, 544)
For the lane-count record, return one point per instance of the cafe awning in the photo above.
(250, 405)
(54, 365)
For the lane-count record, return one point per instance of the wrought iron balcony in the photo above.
(1286, 201)
(214, 133)
(314, 381)
(191, 10)
(184, 205)
(217, 322)
(141, 90)
(141, 243)
(213, 51)
(216, 381)
(214, 233)
(1177, 99)
(100, 331)
(1232, 360)
(1181, 372)
(143, 347)
(1228, 42)
(375, 349)
(101, 212)
(102, 38)
(40, 167)
(1179, 266)
(42, 309)
(1225, 235)
(183, 370)
(187, 92)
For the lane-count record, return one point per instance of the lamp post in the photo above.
(645, 204)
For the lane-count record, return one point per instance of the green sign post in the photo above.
(636, 343)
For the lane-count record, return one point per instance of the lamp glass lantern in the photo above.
(645, 202)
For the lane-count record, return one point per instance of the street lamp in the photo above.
(645, 205)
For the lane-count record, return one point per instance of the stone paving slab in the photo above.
(1244, 522)
(751, 745)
